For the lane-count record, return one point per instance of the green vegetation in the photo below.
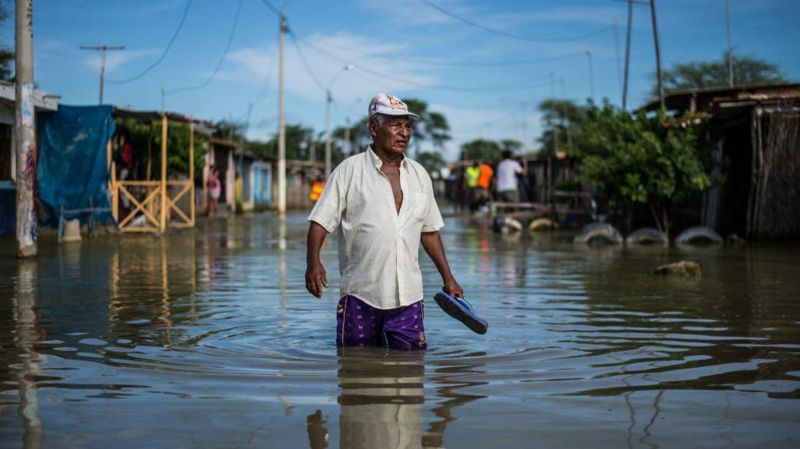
(639, 159)
(561, 119)
(488, 150)
(696, 75)
(432, 161)
(146, 141)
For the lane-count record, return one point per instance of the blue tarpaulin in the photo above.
(72, 170)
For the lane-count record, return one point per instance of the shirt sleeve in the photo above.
(433, 219)
(330, 206)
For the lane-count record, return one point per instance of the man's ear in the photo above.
(372, 131)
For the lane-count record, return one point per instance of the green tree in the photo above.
(697, 75)
(561, 120)
(431, 126)
(511, 145)
(431, 160)
(145, 137)
(651, 161)
(481, 149)
(230, 130)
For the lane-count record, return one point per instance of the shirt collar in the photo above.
(377, 162)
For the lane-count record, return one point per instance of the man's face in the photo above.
(393, 136)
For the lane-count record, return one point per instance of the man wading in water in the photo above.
(383, 206)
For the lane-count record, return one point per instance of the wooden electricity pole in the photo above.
(658, 54)
(24, 128)
(627, 57)
(102, 49)
(281, 123)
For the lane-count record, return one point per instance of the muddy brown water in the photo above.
(207, 339)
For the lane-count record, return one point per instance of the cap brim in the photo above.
(396, 113)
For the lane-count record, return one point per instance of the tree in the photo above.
(230, 130)
(430, 126)
(481, 149)
(698, 75)
(561, 119)
(510, 145)
(431, 160)
(6, 53)
(641, 160)
(145, 137)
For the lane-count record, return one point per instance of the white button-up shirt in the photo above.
(378, 247)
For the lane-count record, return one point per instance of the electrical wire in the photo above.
(164, 54)
(221, 59)
(519, 84)
(306, 64)
(432, 62)
(272, 7)
(510, 35)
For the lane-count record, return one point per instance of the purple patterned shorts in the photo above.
(359, 324)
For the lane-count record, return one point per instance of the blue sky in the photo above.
(487, 85)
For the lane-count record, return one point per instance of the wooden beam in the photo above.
(164, 206)
(191, 169)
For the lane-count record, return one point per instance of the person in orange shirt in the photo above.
(316, 189)
(483, 185)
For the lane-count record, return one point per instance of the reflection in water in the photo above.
(27, 368)
(207, 338)
(381, 399)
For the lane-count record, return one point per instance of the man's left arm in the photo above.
(432, 242)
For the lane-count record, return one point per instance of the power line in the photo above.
(510, 35)
(221, 59)
(518, 84)
(433, 62)
(166, 49)
(272, 7)
(305, 62)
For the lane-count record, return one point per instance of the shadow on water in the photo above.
(207, 338)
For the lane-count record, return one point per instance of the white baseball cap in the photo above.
(388, 105)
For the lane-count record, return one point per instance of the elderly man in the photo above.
(383, 206)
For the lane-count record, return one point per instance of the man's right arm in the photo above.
(316, 277)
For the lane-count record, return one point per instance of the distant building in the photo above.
(756, 149)
(8, 160)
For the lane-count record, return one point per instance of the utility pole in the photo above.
(591, 75)
(24, 128)
(281, 124)
(347, 136)
(658, 55)
(616, 53)
(102, 49)
(730, 46)
(328, 100)
(627, 57)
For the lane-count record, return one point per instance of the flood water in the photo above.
(207, 339)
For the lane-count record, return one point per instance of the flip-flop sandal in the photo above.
(461, 310)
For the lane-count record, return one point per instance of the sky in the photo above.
(485, 65)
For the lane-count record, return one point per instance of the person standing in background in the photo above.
(507, 183)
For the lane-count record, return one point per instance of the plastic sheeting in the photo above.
(72, 170)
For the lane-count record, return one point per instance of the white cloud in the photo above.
(325, 56)
(604, 15)
(116, 58)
